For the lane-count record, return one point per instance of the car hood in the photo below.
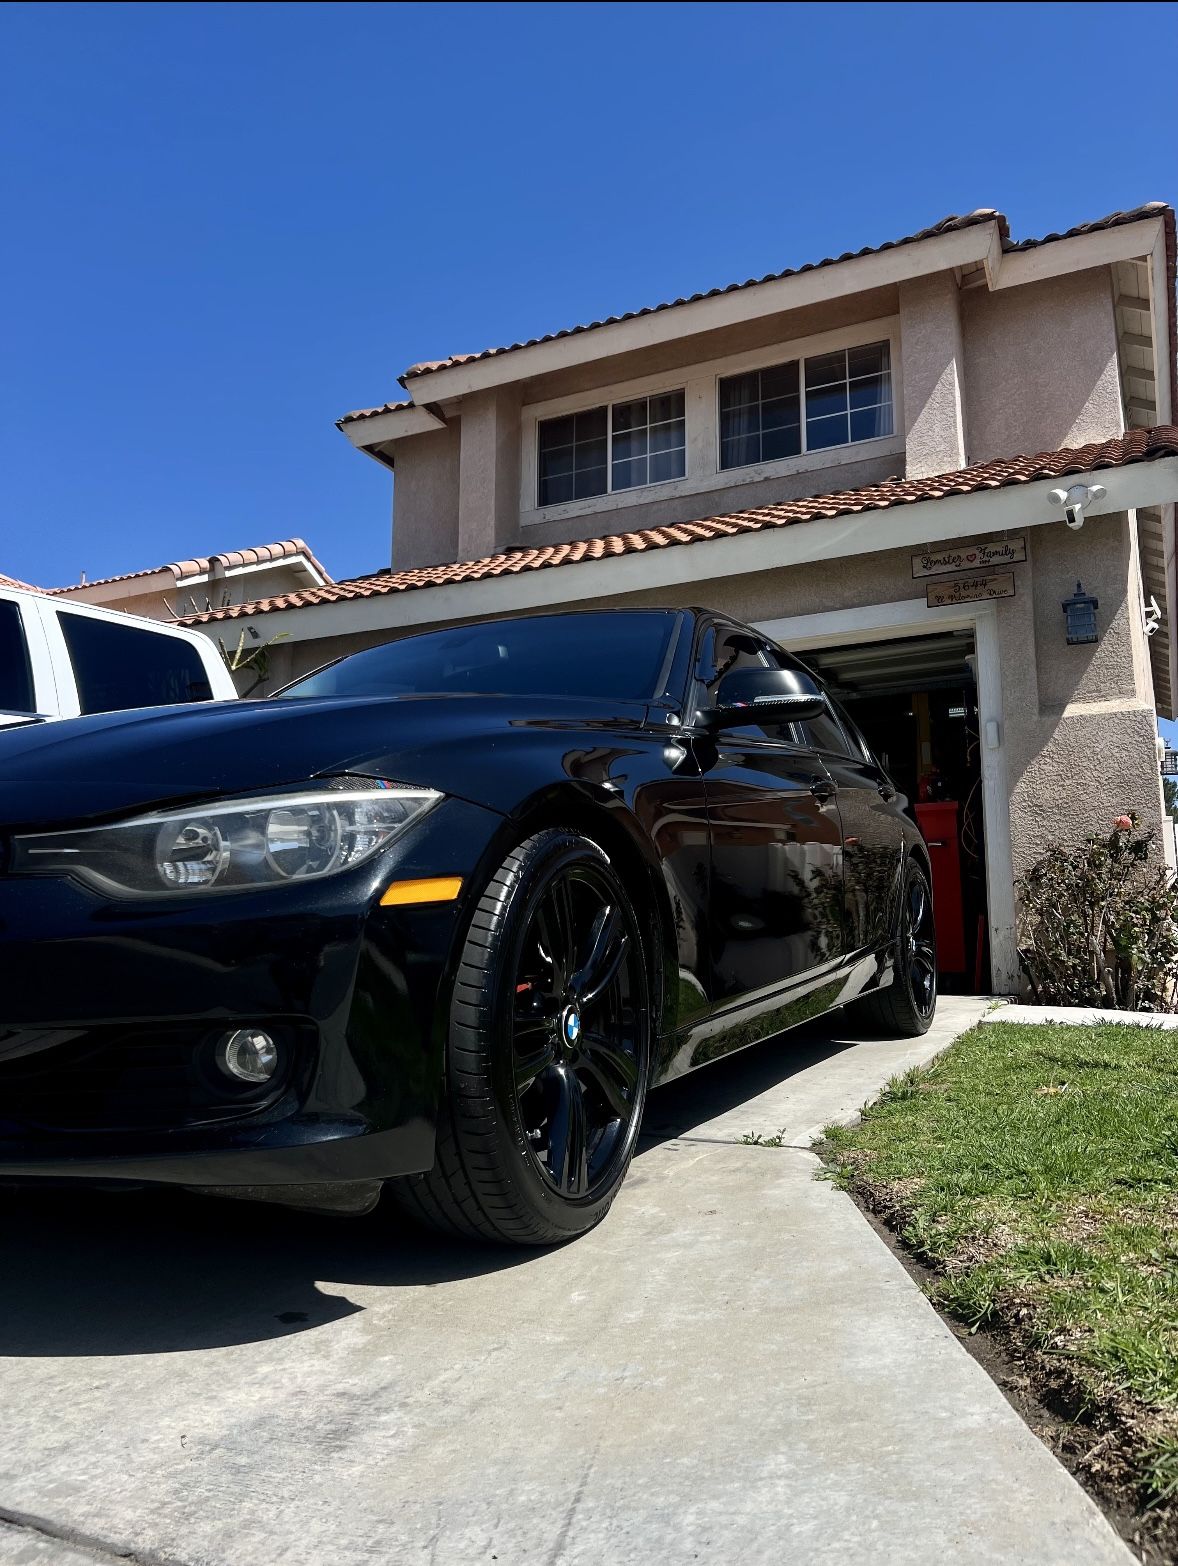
(116, 763)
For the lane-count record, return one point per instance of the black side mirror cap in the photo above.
(764, 696)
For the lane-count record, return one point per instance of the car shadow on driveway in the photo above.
(93, 1273)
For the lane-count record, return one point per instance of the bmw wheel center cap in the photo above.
(571, 1027)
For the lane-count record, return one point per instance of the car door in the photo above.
(873, 843)
(776, 840)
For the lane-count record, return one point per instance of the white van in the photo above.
(59, 659)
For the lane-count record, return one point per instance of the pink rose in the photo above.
(1123, 824)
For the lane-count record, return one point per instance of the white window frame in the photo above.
(800, 361)
(700, 383)
(631, 489)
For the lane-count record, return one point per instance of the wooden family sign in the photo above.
(970, 557)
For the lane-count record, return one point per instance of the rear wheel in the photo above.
(906, 1008)
(549, 1052)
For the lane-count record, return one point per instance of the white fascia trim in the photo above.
(231, 573)
(856, 275)
(380, 427)
(830, 538)
(1163, 348)
(1078, 254)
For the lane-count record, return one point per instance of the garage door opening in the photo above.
(915, 699)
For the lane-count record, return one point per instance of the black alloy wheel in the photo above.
(919, 937)
(549, 1054)
(577, 1038)
(906, 1007)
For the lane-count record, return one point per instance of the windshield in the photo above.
(619, 656)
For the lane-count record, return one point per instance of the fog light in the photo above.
(248, 1054)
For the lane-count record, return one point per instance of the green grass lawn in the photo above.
(1035, 1168)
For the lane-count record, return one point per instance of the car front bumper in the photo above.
(110, 1013)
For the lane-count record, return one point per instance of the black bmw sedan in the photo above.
(439, 916)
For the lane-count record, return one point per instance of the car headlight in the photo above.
(232, 844)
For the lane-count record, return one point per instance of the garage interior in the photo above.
(915, 700)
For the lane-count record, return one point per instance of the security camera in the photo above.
(1153, 615)
(1074, 500)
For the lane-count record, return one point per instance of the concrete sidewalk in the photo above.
(732, 1367)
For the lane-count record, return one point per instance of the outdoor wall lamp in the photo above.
(1074, 500)
(1080, 610)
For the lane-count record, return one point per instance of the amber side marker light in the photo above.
(438, 889)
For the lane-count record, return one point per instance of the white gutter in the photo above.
(904, 526)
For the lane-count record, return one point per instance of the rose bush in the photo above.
(1098, 924)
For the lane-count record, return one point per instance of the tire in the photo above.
(906, 1007)
(553, 978)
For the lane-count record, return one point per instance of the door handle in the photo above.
(822, 789)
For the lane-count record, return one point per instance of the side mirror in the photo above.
(764, 696)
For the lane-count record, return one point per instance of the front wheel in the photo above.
(549, 1052)
(906, 1008)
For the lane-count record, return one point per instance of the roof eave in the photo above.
(856, 274)
(911, 525)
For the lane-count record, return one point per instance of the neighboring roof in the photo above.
(13, 581)
(1135, 446)
(945, 226)
(371, 413)
(232, 560)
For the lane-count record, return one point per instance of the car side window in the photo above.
(120, 666)
(16, 673)
(826, 733)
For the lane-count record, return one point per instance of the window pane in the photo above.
(589, 454)
(556, 432)
(821, 433)
(780, 381)
(629, 443)
(825, 400)
(16, 677)
(739, 451)
(737, 391)
(826, 369)
(588, 482)
(665, 437)
(119, 666)
(667, 465)
(874, 359)
(629, 474)
(554, 491)
(866, 393)
(782, 410)
(783, 442)
(630, 415)
(555, 463)
(667, 407)
(590, 425)
(871, 423)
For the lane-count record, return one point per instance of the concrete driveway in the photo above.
(732, 1368)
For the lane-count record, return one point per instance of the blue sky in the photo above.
(228, 224)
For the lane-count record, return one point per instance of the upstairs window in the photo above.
(831, 399)
(621, 446)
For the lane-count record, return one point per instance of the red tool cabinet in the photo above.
(938, 823)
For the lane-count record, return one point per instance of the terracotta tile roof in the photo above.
(945, 226)
(15, 581)
(371, 413)
(232, 560)
(1136, 446)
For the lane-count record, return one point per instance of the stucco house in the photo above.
(902, 462)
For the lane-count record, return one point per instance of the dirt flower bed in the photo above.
(1034, 1169)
